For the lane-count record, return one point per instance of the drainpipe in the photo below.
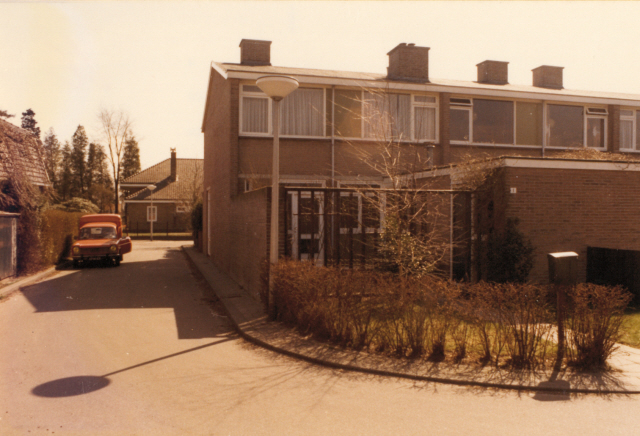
(333, 162)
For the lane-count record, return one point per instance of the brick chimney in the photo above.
(255, 52)
(174, 165)
(493, 72)
(546, 76)
(409, 62)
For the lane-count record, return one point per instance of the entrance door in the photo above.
(306, 231)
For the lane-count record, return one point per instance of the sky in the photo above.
(69, 60)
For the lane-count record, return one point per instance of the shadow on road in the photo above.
(80, 385)
(162, 283)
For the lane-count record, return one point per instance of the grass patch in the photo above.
(630, 329)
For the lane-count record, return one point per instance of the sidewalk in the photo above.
(246, 313)
(20, 282)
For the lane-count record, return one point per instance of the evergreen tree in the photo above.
(91, 165)
(78, 162)
(99, 183)
(130, 158)
(66, 175)
(52, 156)
(29, 123)
(5, 114)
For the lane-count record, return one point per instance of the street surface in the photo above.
(141, 350)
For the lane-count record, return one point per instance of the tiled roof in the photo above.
(464, 86)
(22, 151)
(189, 173)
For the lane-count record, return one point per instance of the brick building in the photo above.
(337, 126)
(177, 182)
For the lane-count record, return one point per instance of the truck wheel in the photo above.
(75, 264)
(117, 261)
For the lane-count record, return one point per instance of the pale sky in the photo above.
(67, 60)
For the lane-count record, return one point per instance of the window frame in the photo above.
(634, 139)
(602, 113)
(253, 94)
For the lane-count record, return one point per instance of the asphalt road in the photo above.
(141, 350)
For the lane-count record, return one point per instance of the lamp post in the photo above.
(276, 87)
(152, 215)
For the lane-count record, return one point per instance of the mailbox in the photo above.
(563, 268)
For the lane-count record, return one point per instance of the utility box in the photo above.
(563, 268)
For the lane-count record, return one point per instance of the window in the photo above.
(595, 132)
(254, 110)
(576, 126)
(528, 123)
(302, 113)
(348, 113)
(181, 209)
(460, 124)
(424, 118)
(492, 121)
(565, 126)
(387, 116)
(628, 130)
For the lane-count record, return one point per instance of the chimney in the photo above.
(255, 52)
(409, 62)
(546, 76)
(174, 166)
(493, 72)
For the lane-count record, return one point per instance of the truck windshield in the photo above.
(97, 233)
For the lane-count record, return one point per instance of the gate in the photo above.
(607, 266)
(8, 244)
(343, 226)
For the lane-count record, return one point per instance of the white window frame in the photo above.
(633, 119)
(260, 95)
(468, 108)
(587, 112)
(588, 117)
(424, 104)
(254, 94)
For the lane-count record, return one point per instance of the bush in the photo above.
(509, 255)
(57, 229)
(514, 318)
(77, 204)
(196, 217)
(594, 317)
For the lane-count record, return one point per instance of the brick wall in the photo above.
(136, 217)
(568, 210)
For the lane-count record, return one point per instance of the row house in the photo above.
(337, 129)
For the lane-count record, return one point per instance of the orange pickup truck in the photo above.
(100, 238)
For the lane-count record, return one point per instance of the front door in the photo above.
(306, 228)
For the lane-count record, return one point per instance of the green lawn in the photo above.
(631, 329)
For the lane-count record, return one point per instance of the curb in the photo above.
(29, 280)
(336, 365)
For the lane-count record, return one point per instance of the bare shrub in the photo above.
(594, 317)
(515, 317)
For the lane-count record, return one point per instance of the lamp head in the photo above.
(277, 87)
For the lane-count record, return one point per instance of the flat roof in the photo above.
(458, 87)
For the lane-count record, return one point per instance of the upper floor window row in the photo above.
(505, 122)
(347, 113)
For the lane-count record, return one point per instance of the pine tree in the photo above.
(130, 158)
(66, 175)
(78, 162)
(29, 123)
(5, 114)
(52, 156)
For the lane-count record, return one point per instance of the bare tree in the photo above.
(116, 129)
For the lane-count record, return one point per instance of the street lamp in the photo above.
(151, 214)
(276, 87)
